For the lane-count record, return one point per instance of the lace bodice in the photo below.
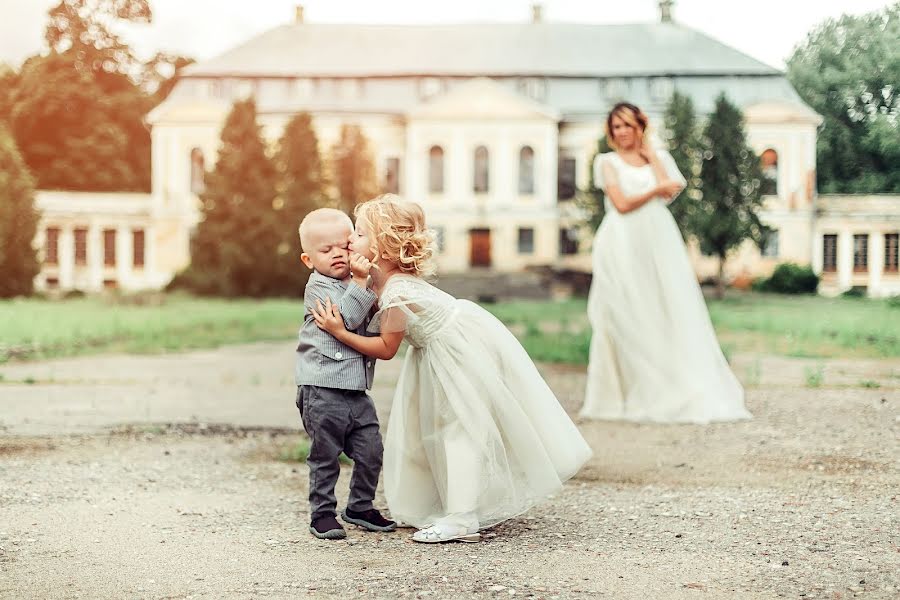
(611, 169)
(413, 305)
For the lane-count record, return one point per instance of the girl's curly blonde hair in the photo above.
(398, 231)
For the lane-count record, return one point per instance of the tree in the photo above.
(77, 134)
(354, 171)
(301, 190)
(18, 222)
(730, 175)
(84, 28)
(847, 71)
(235, 249)
(77, 113)
(683, 137)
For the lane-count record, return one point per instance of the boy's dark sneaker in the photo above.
(368, 519)
(327, 528)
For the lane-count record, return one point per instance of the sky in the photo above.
(767, 30)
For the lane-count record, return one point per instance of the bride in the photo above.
(654, 355)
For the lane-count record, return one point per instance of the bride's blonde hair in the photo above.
(632, 116)
(399, 234)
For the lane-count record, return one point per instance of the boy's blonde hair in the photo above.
(398, 231)
(318, 218)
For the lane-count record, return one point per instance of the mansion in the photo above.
(491, 127)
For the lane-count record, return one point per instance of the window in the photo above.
(565, 184)
(860, 253)
(891, 246)
(138, 247)
(481, 183)
(526, 240)
(51, 247)
(436, 170)
(614, 89)
(526, 170)
(533, 87)
(661, 88)
(198, 171)
(770, 246)
(769, 162)
(80, 246)
(568, 241)
(303, 88)
(829, 253)
(52, 282)
(109, 247)
(392, 176)
(217, 88)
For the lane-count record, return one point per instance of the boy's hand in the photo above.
(359, 269)
(328, 317)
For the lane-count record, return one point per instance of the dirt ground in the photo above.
(162, 477)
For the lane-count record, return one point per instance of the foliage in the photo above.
(789, 278)
(683, 137)
(727, 212)
(18, 222)
(301, 189)
(236, 247)
(847, 70)
(354, 171)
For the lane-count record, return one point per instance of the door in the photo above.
(480, 247)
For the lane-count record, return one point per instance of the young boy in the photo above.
(332, 380)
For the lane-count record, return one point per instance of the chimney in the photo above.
(665, 11)
(536, 16)
(298, 15)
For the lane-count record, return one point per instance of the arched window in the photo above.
(526, 170)
(481, 182)
(436, 170)
(769, 162)
(198, 170)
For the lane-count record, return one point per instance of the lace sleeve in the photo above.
(672, 171)
(605, 172)
(397, 309)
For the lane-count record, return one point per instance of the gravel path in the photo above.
(160, 477)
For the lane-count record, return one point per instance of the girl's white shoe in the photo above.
(437, 534)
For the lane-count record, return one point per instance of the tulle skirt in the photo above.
(654, 354)
(474, 429)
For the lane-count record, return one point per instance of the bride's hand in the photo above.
(647, 151)
(328, 317)
(668, 188)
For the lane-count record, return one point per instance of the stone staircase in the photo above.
(487, 285)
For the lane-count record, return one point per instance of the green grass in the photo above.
(299, 452)
(807, 326)
(39, 328)
(804, 326)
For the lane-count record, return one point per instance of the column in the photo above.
(845, 259)
(66, 254)
(123, 256)
(95, 257)
(876, 262)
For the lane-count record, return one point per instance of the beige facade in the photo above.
(91, 242)
(493, 139)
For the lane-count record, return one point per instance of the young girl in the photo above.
(475, 435)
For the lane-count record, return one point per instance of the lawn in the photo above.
(551, 331)
(141, 324)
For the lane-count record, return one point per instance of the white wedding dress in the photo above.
(474, 431)
(654, 355)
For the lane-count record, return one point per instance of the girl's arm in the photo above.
(383, 347)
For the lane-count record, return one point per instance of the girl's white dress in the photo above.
(474, 430)
(654, 355)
